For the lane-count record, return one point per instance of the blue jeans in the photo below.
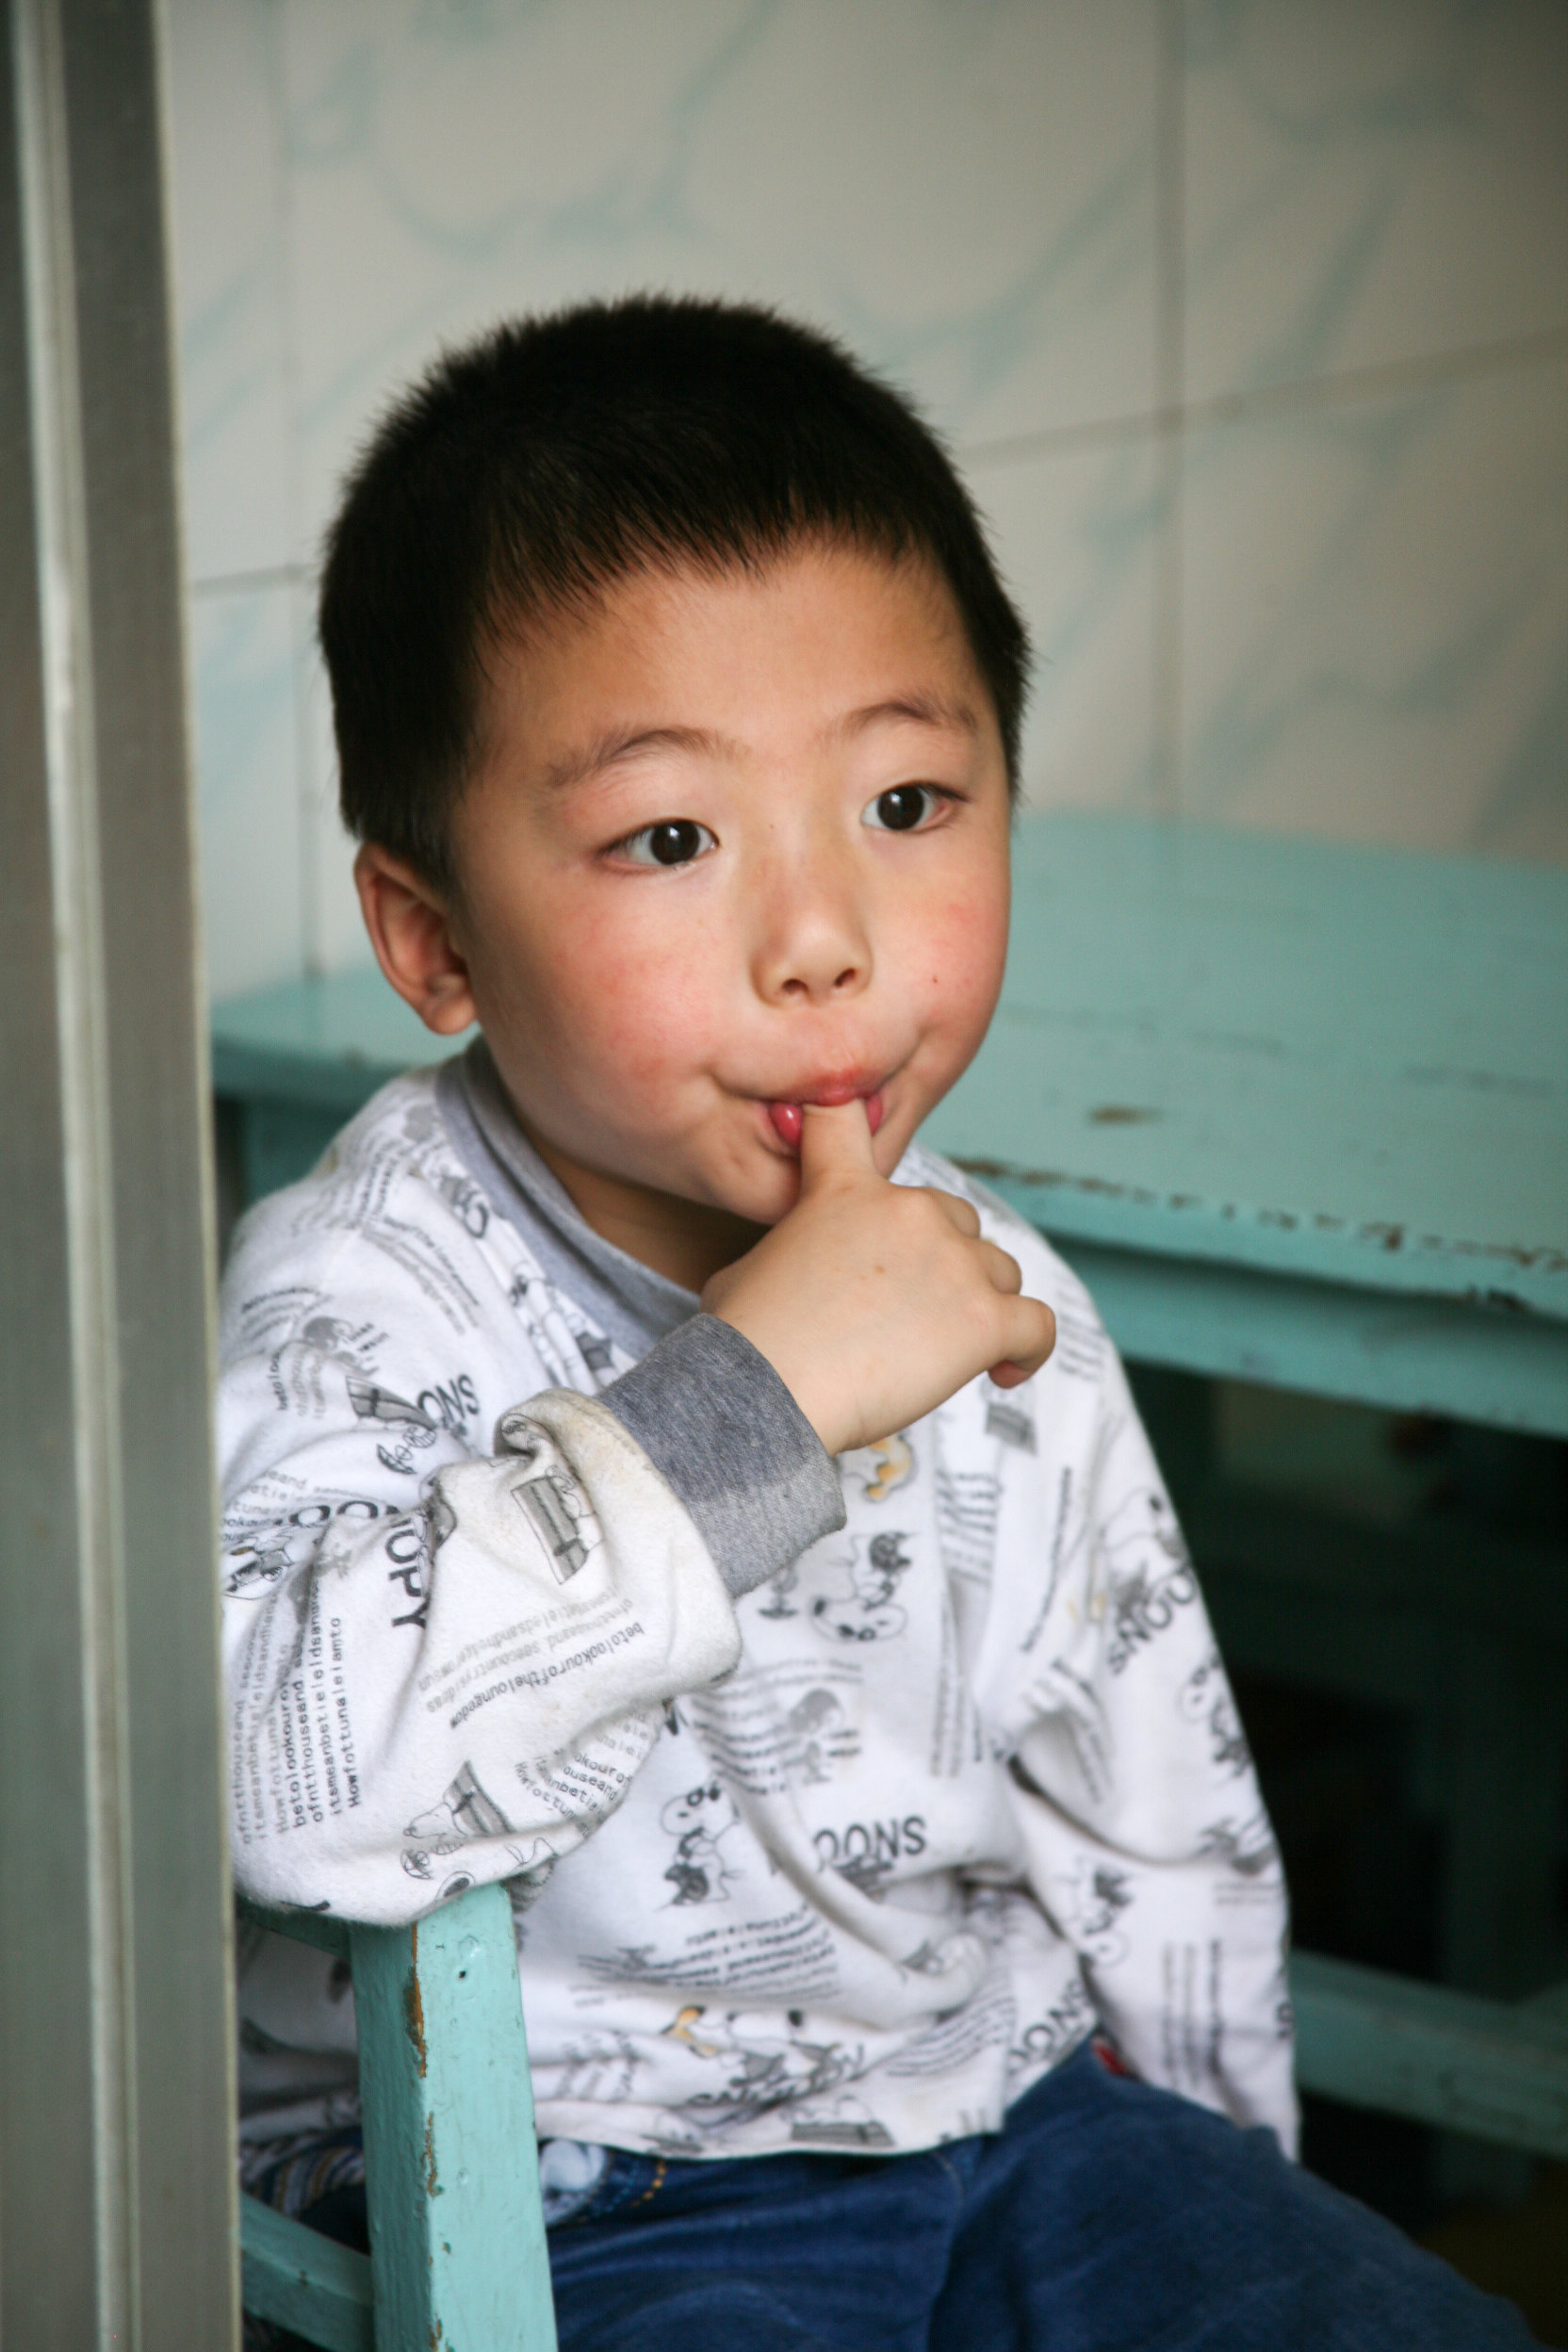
(1106, 2214)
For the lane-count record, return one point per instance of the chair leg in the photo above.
(457, 2232)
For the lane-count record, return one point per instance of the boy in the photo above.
(656, 1482)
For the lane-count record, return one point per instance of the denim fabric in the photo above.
(1106, 2216)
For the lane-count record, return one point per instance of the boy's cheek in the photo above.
(958, 962)
(647, 1009)
(597, 972)
(627, 1028)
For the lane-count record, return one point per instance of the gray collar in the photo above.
(632, 1304)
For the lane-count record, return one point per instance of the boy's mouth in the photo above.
(788, 1118)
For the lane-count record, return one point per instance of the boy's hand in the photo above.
(874, 1302)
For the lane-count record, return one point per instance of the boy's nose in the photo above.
(814, 950)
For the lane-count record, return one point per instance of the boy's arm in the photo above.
(447, 1668)
(1147, 1840)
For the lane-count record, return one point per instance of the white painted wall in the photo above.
(1247, 319)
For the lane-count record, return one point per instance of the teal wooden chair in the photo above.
(458, 2255)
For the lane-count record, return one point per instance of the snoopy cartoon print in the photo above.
(1088, 1903)
(697, 1820)
(263, 1554)
(258, 1564)
(1146, 1570)
(762, 2068)
(1247, 1849)
(320, 1343)
(879, 1470)
(463, 1813)
(1205, 1698)
(409, 1427)
(868, 1611)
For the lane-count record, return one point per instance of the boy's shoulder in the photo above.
(389, 1198)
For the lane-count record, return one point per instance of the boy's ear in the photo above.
(411, 933)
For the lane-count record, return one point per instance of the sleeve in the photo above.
(1148, 1843)
(447, 1666)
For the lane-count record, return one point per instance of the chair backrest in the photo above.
(458, 2251)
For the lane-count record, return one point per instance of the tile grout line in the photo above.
(1511, 355)
(244, 584)
(1169, 386)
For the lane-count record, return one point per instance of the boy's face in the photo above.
(737, 844)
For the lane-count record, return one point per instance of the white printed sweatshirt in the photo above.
(837, 1802)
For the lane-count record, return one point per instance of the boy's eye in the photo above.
(902, 809)
(673, 841)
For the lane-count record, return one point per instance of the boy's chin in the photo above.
(759, 1197)
(748, 1186)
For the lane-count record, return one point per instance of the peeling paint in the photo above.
(1003, 1172)
(1395, 1239)
(1482, 1082)
(432, 2179)
(414, 2005)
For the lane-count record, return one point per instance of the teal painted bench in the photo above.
(458, 2256)
(1299, 1114)
(1494, 2070)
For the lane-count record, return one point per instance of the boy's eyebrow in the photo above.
(577, 767)
(925, 709)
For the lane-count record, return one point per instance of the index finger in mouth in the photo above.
(788, 1116)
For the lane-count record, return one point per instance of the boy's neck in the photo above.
(686, 1241)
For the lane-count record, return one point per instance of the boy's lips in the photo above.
(788, 1118)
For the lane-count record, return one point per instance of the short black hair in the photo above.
(527, 472)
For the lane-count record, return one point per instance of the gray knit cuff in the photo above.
(726, 1435)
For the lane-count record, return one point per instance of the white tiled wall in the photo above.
(1370, 181)
(1249, 319)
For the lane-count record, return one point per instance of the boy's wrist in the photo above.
(765, 1341)
(728, 1437)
